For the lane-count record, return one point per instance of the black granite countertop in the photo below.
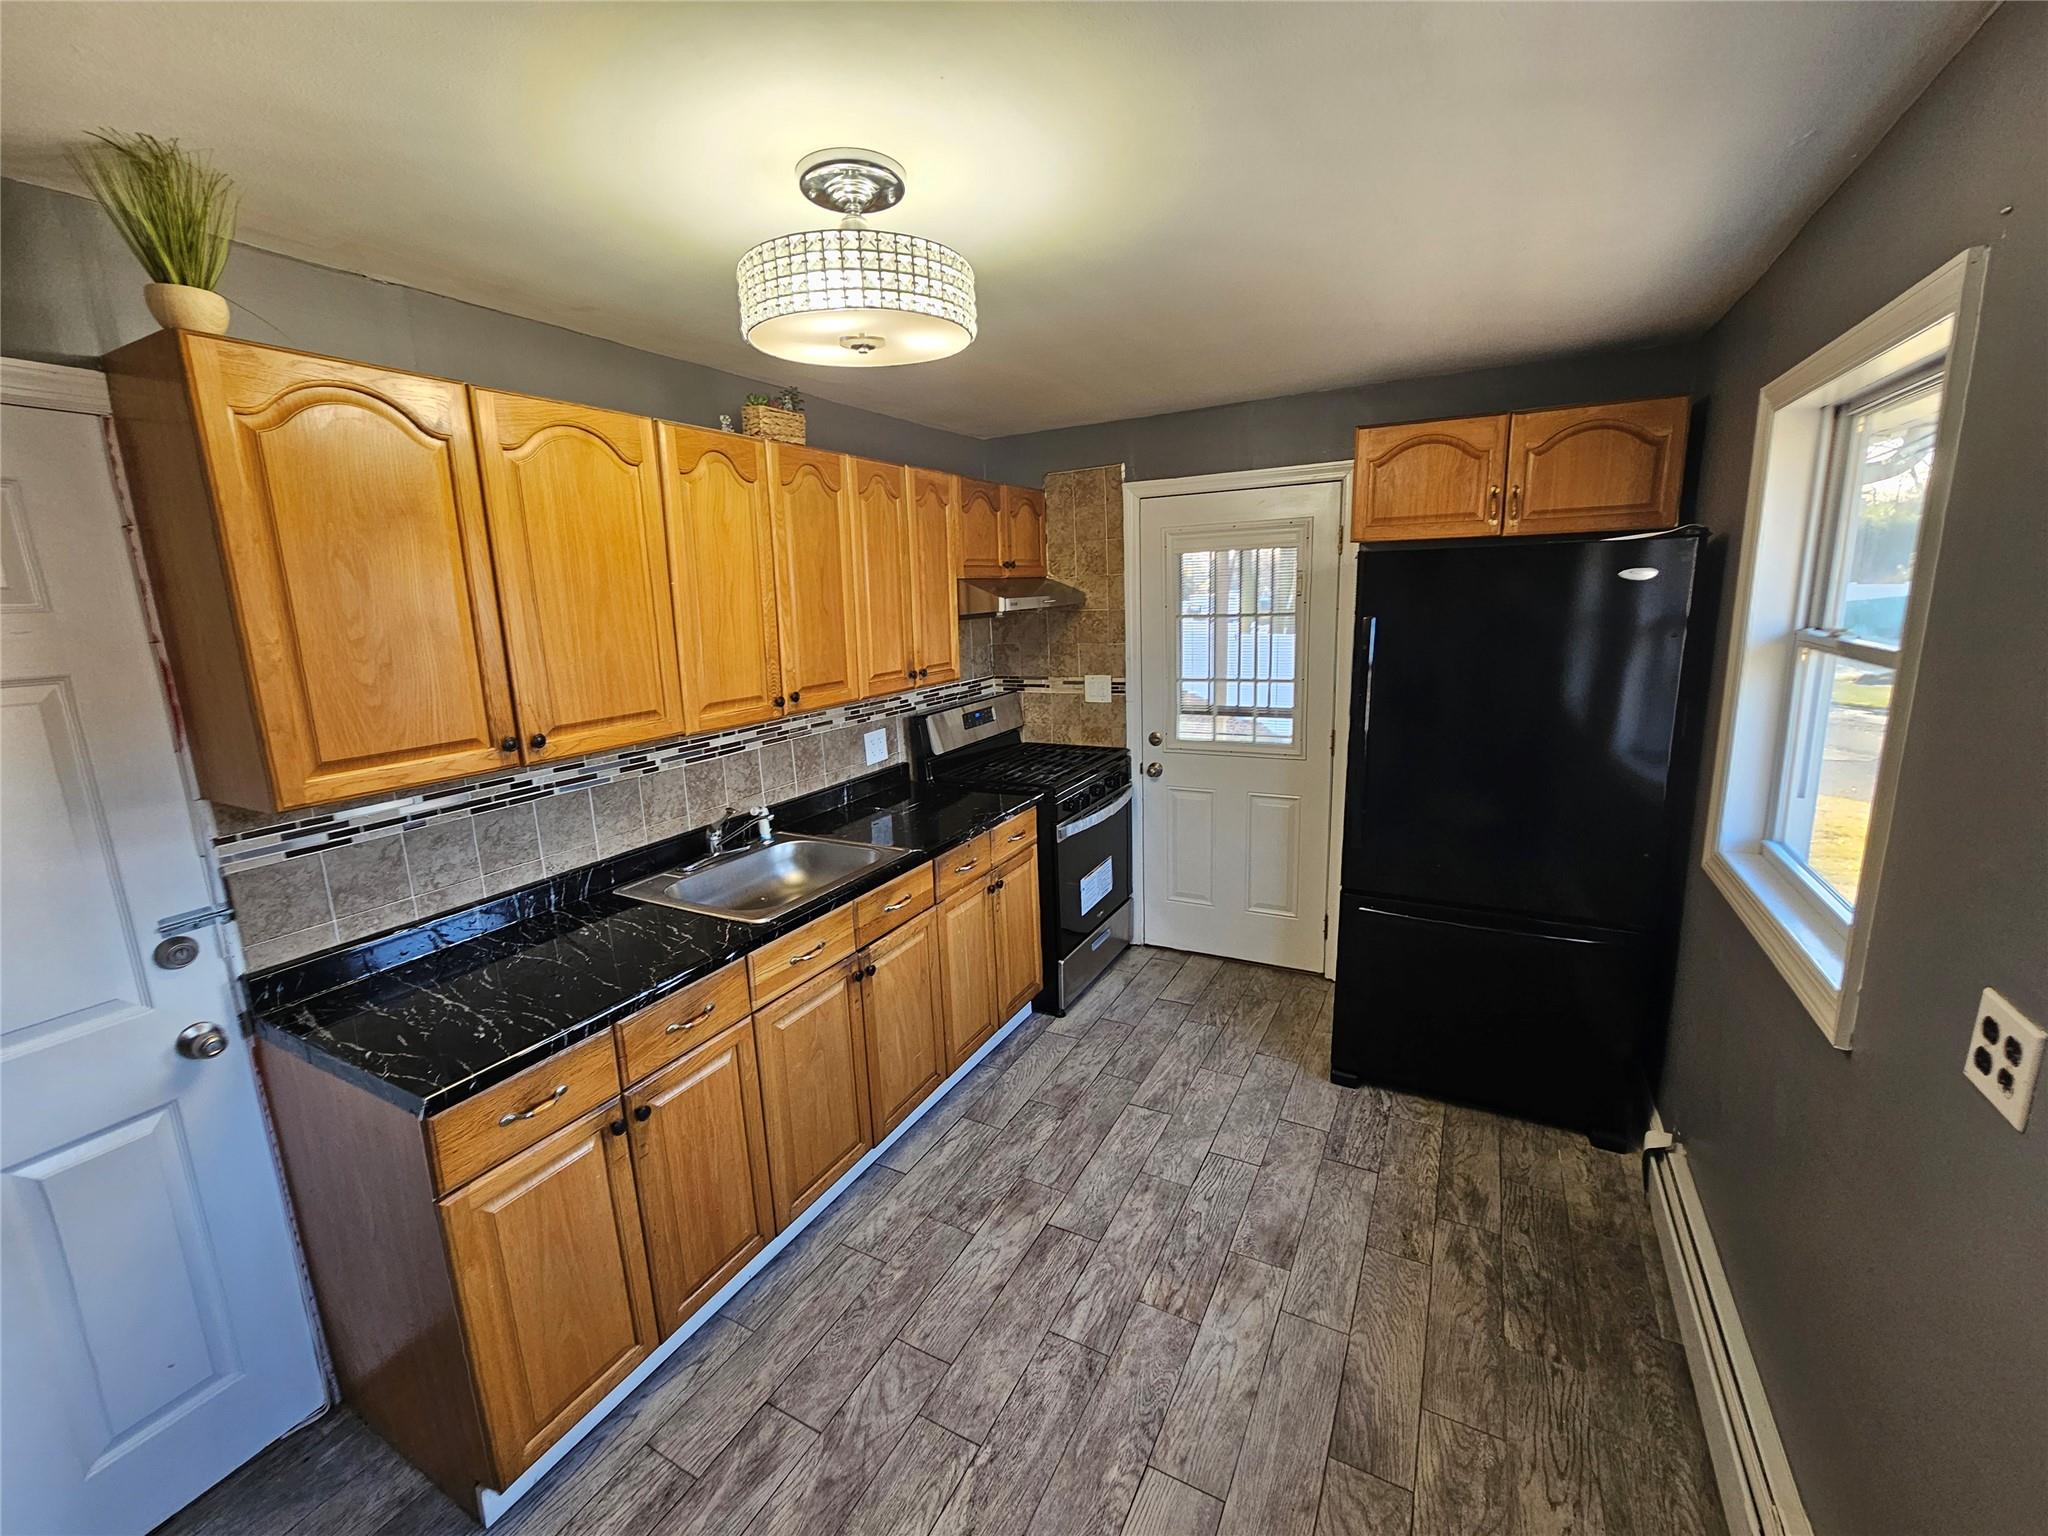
(428, 1015)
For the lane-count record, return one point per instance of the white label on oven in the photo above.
(1096, 883)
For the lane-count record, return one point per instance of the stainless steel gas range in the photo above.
(1084, 821)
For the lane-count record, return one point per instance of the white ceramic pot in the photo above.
(181, 308)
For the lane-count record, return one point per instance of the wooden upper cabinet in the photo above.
(901, 1012)
(814, 576)
(574, 500)
(814, 1087)
(1430, 480)
(965, 923)
(1020, 962)
(935, 566)
(722, 560)
(883, 575)
(1597, 468)
(551, 1276)
(316, 534)
(981, 528)
(700, 1154)
(1023, 531)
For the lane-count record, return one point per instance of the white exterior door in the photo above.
(151, 1314)
(1237, 600)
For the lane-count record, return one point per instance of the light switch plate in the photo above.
(876, 745)
(1095, 687)
(2004, 1056)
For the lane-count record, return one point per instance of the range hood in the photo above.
(1015, 594)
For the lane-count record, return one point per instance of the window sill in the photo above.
(1809, 956)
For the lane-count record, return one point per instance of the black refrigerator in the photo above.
(1508, 894)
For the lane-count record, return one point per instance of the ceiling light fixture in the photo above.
(855, 297)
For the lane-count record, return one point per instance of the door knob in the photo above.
(1153, 770)
(202, 1042)
(1153, 738)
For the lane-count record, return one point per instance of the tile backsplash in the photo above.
(1084, 547)
(304, 881)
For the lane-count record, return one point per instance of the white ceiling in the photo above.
(1167, 206)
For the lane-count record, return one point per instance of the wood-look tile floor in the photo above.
(1147, 1271)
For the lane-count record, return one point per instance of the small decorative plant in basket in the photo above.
(177, 214)
(779, 418)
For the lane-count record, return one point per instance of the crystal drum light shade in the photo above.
(856, 298)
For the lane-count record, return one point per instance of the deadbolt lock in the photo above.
(176, 952)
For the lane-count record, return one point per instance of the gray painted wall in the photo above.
(72, 293)
(1885, 1232)
(1317, 428)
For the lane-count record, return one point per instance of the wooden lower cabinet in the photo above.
(700, 1155)
(965, 924)
(1020, 962)
(900, 1010)
(814, 1089)
(551, 1281)
(484, 1284)
(989, 957)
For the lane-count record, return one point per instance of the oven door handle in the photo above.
(1094, 818)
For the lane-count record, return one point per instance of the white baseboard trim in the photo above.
(1758, 1494)
(492, 1503)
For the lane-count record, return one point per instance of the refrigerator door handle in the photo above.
(1371, 625)
(1451, 922)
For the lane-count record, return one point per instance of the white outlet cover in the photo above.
(1095, 688)
(2013, 1043)
(876, 745)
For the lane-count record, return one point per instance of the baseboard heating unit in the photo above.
(1758, 1495)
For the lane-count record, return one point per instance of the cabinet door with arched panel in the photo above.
(1596, 468)
(722, 555)
(814, 580)
(878, 495)
(1430, 480)
(573, 495)
(316, 530)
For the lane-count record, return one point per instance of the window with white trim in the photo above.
(1847, 494)
(1865, 533)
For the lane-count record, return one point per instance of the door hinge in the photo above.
(198, 917)
(1333, 741)
(1326, 927)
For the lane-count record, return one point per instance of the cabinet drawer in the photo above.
(1012, 837)
(796, 957)
(956, 866)
(886, 910)
(660, 1032)
(482, 1132)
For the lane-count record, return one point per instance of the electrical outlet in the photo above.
(2004, 1056)
(876, 745)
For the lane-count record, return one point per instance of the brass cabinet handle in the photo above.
(1492, 504)
(533, 1109)
(812, 953)
(1514, 503)
(898, 906)
(691, 1023)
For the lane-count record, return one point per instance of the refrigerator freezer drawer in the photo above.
(1543, 1025)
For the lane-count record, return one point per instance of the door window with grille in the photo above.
(1237, 625)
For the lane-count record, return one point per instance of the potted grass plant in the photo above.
(177, 214)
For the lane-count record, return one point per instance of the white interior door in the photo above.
(150, 1307)
(1237, 598)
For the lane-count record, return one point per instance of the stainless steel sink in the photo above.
(759, 882)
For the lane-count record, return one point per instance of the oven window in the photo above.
(1239, 616)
